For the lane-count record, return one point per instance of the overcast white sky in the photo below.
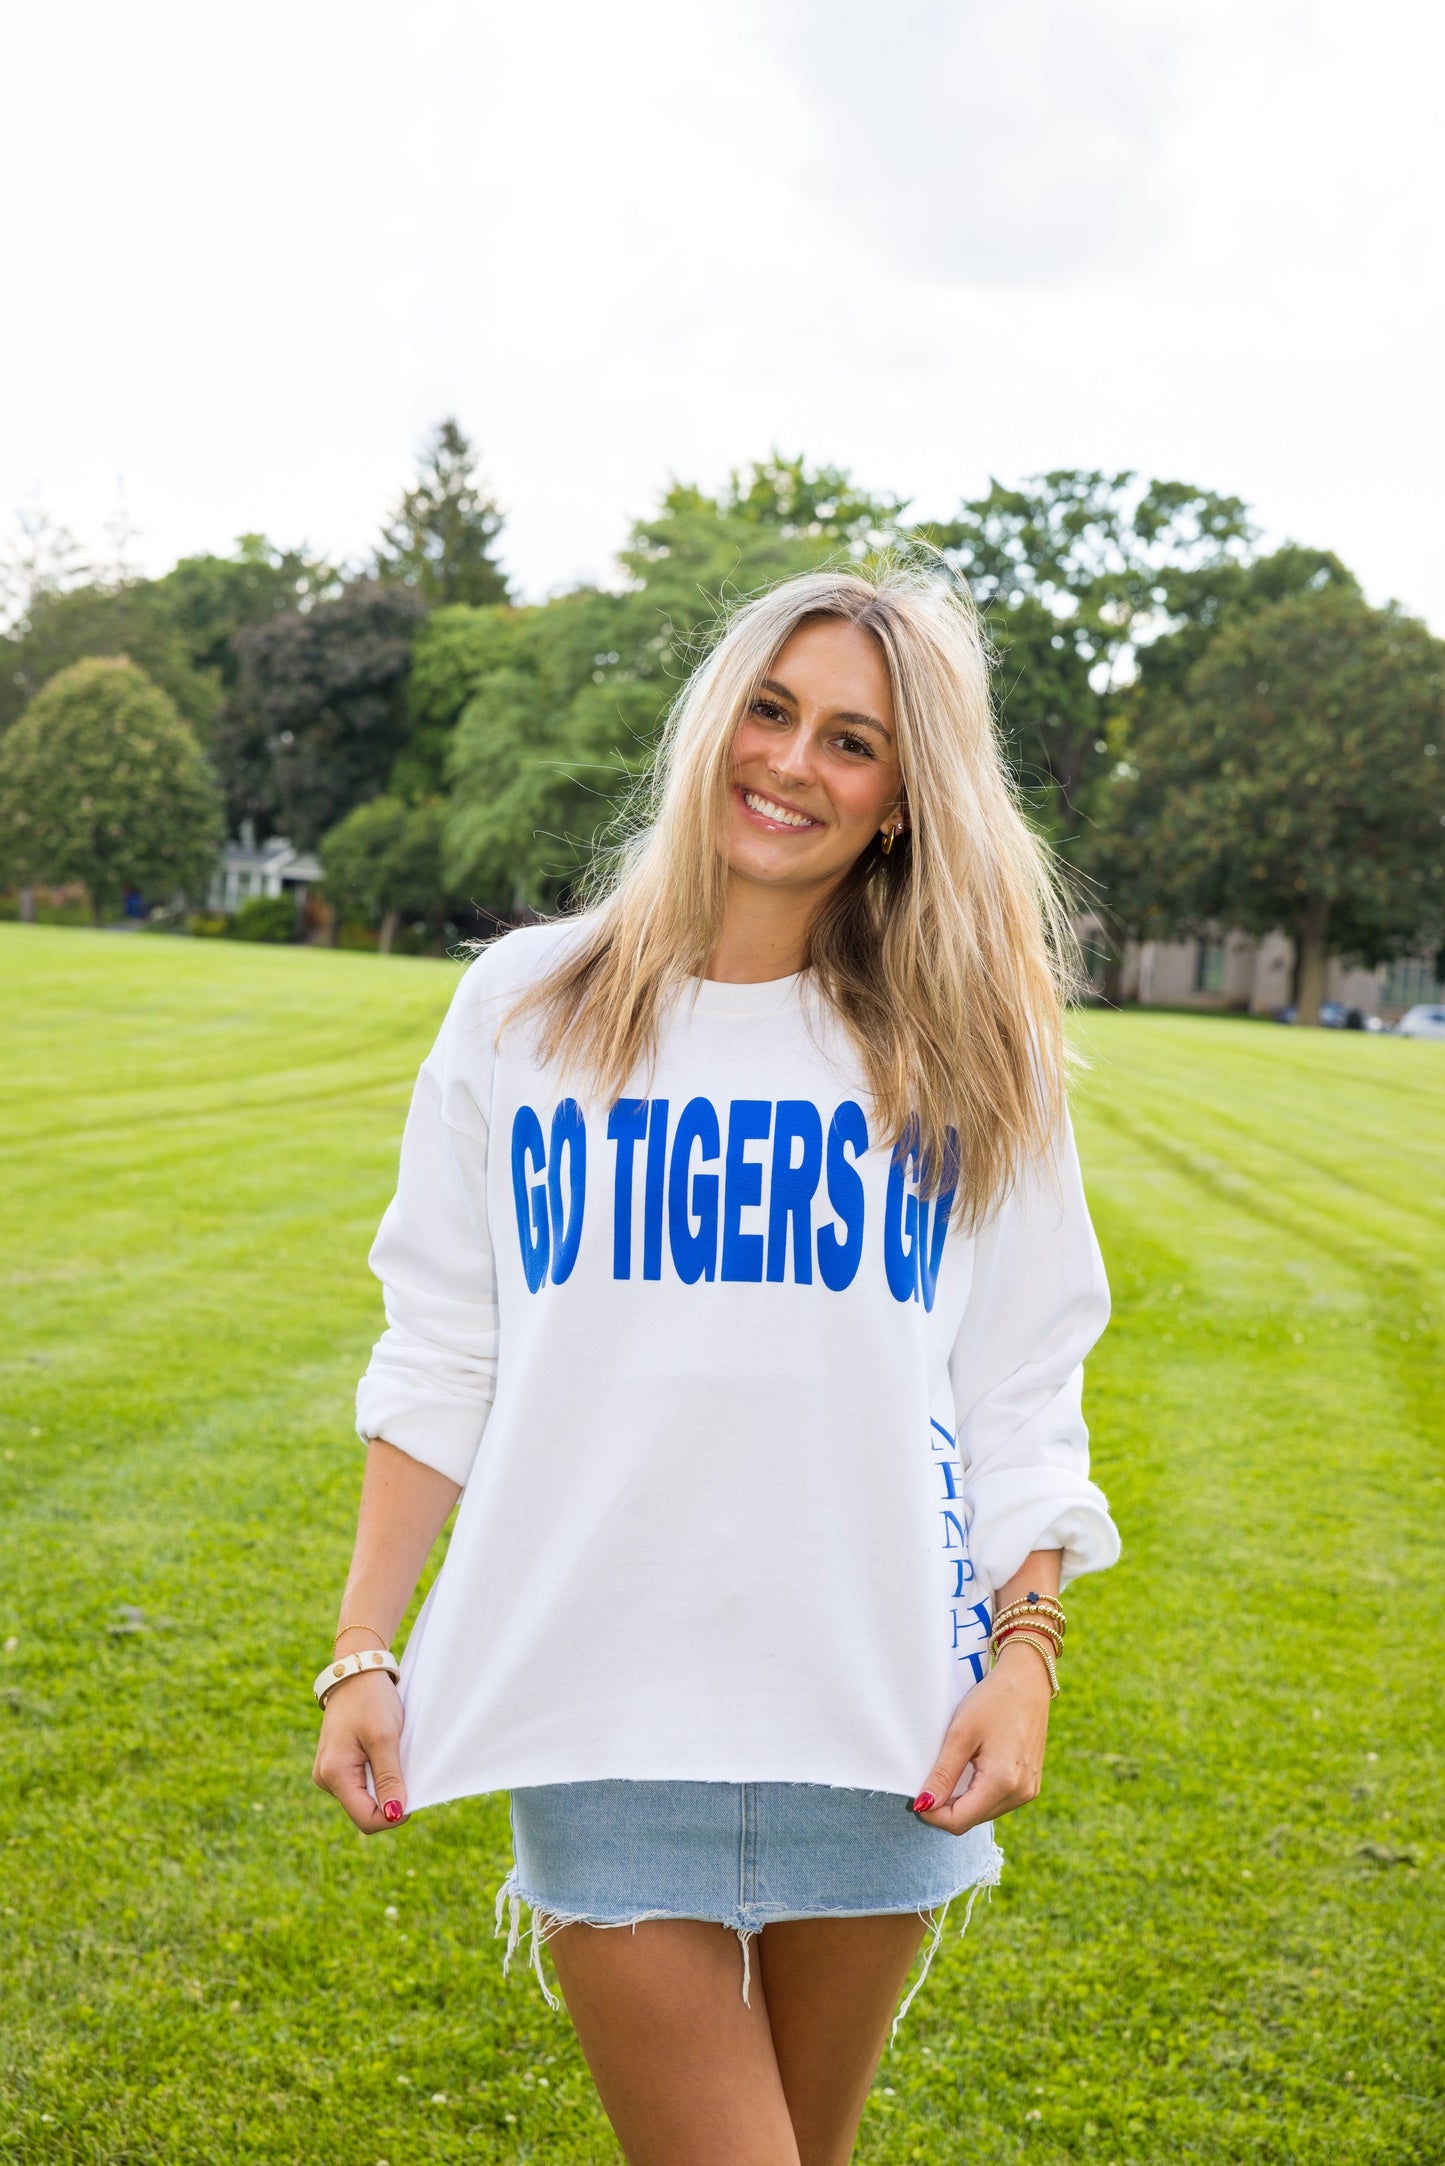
(254, 253)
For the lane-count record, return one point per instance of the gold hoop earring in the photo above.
(888, 834)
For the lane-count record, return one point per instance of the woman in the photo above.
(737, 1282)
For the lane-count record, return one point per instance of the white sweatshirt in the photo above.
(747, 1435)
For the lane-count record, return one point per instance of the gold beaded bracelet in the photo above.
(1036, 1605)
(1045, 1654)
(1011, 1621)
(1044, 1619)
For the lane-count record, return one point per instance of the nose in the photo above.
(791, 760)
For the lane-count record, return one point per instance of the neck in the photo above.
(764, 933)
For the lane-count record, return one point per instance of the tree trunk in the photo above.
(389, 922)
(1116, 936)
(27, 906)
(1310, 958)
(97, 915)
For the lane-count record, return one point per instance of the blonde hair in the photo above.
(949, 958)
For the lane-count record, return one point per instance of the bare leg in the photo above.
(684, 2068)
(690, 2076)
(832, 1985)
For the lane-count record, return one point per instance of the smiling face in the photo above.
(815, 773)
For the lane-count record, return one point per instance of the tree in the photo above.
(134, 621)
(181, 629)
(1076, 571)
(701, 553)
(1229, 591)
(1292, 782)
(384, 860)
(102, 782)
(438, 541)
(453, 651)
(548, 743)
(319, 713)
(211, 599)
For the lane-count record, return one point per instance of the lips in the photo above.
(771, 813)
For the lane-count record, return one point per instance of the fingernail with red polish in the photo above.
(924, 1802)
(391, 1810)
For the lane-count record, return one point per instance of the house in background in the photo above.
(1235, 973)
(247, 868)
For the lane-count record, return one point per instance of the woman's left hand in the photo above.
(1000, 1730)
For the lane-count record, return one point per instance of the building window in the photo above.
(1209, 966)
(1409, 983)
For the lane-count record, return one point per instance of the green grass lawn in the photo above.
(1220, 1933)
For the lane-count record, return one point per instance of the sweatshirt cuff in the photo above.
(442, 1437)
(1020, 1509)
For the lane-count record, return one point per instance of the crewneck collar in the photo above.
(718, 996)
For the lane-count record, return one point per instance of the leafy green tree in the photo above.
(134, 620)
(453, 652)
(1229, 591)
(555, 729)
(700, 553)
(101, 782)
(181, 629)
(1292, 782)
(319, 713)
(1076, 571)
(384, 861)
(439, 540)
(211, 599)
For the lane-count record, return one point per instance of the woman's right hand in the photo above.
(361, 1728)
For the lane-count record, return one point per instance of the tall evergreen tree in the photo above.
(439, 540)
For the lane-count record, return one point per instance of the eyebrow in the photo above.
(859, 721)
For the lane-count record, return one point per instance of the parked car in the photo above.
(1425, 1021)
(1334, 1015)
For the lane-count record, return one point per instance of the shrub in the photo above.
(209, 925)
(354, 933)
(265, 917)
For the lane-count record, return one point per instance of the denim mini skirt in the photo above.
(743, 1855)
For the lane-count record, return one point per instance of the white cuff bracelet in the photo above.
(370, 1658)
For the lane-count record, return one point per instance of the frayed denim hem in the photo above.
(512, 1899)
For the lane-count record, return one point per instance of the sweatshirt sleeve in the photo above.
(432, 1376)
(1038, 1302)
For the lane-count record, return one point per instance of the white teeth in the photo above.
(770, 811)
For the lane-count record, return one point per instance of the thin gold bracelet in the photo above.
(358, 1628)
